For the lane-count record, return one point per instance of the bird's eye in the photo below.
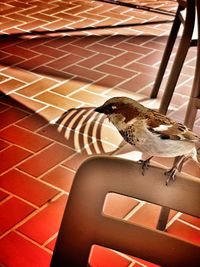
(113, 107)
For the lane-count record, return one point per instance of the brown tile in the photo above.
(89, 98)
(11, 85)
(32, 25)
(24, 138)
(60, 177)
(148, 215)
(25, 103)
(37, 87)
(96, 148)
(57, 24)
(137, 83)
(57, 101)
(50, 113)
(21, 185)
(118, 205)
(46, 159)
(68, 87)
(21, 74)
(66, 136)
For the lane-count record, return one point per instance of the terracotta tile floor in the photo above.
(51, 78)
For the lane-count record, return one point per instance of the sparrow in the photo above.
(151, 132)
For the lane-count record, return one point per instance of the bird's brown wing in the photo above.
(167, 128)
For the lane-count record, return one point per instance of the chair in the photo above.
(84, 224)
(194, 101)
(185, 42)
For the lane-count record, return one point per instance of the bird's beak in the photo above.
(100, 109)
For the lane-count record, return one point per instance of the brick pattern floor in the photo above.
(51, 78)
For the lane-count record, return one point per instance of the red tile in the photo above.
(13, 211)
(24, 138)
(32, 122)
(143, 262)
(117, 71)
(45, 223)
(94, 60)
(148, 215)
(137, 83)
(46, 159)
(27, 188)
(3, 107)
(60, 177)
(11, 156)
(124, 59)
(77, 50)
(118, 205)
(17, 252)
(19, 51)
(104, 257)
(3, 145)
(51, 244)
(43, 49)
(24, 103)
(2, 195)
(105, 49)
(190, 219)
(10, 116)
(184, 231)
(65, 136)
(65, 61)
(89, 74)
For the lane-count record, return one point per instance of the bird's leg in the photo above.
(177, 165)
(145, 164)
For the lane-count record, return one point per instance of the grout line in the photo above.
(134, 210)
(189, 224)
(173, 219)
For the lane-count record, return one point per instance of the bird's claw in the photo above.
(171, 175)
(144, 165)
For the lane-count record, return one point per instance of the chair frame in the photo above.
(84, 223)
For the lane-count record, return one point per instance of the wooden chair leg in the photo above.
(194, 101)
(180, 56)
(167, 53)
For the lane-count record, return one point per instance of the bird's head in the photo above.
(121, 110)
